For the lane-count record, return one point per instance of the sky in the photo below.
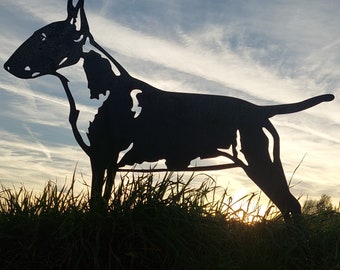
(266, 52)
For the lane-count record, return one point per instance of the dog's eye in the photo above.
(43, 37)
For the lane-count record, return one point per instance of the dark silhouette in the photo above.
(177, 127)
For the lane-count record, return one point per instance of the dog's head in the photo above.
(52, 47)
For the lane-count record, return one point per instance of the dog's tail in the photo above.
(296, 107)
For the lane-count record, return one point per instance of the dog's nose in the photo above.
(19, 70)
(7, 67)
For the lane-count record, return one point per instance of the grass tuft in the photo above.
(155, 222)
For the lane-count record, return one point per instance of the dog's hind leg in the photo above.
(268, 174)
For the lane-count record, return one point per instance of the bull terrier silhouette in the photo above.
(177, 127)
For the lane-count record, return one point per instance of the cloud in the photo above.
(25, 159)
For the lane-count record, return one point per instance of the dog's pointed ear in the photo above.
(82, 21)
(76, 16)
(71, 11)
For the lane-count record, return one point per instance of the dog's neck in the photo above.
(102, 75)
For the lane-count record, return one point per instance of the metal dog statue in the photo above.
(177, 127)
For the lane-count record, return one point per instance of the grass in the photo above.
(165, 223)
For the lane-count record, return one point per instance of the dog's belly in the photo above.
(178, 147)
